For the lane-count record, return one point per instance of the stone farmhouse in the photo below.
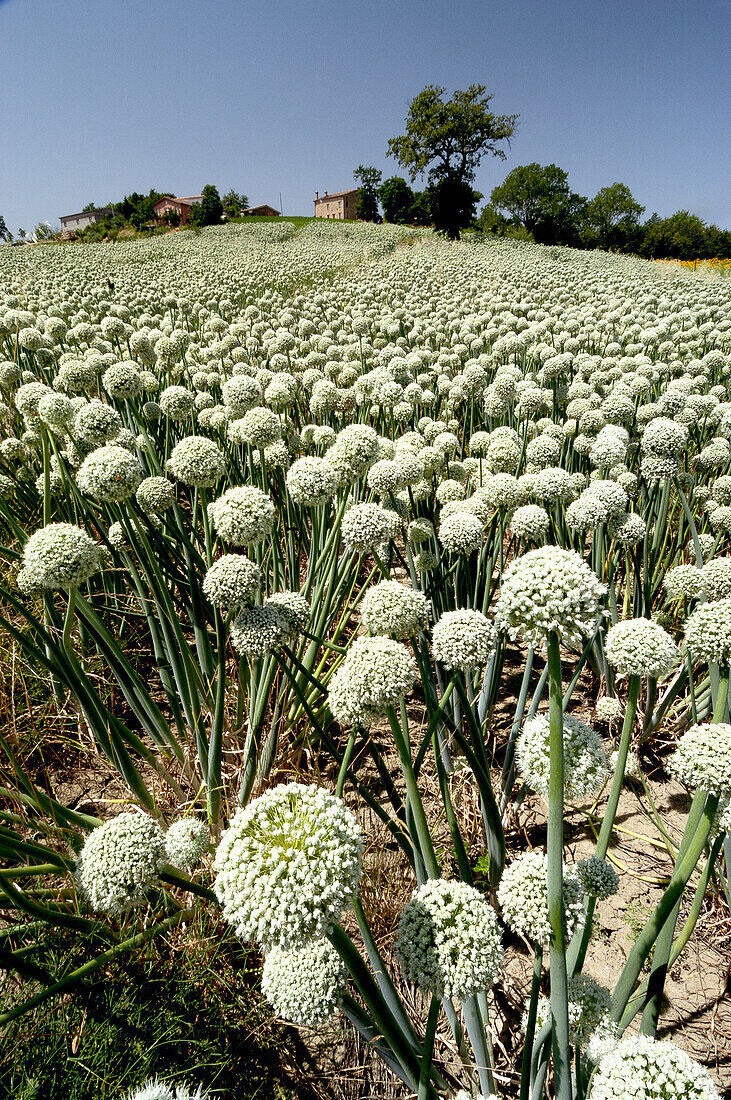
(260, 211)
(339, 205)
(180, 206)
(71, 222)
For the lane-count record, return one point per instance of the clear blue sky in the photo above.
(99, 98)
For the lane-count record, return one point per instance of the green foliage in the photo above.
(453, 205)
(366, 207)
(613, 218)
(397, 200)
(5, 234)
(188, 1016)
(45, 232)
(209, 211)
(683, 236)
(233, 203)
(539, 198)
(449, 138)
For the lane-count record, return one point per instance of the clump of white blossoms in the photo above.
(641, 1068)
(375, 674)
(232, 581)
(632, 767)
(58, 555)
(304, 984)
(186, 841)
(311, 481)
(586, 766)
(530, 522)
(608, 709)
(589, 1010)
(449, 940)
(523, 897)
(196, 461)
(461, 533)
(716, 578)
(243, 515)
(683, 582)
(702, 759)
(288, 865)
(155, 1089)
(462, 639)
(641, 647)
(708, 632)
(394, 610)
(366, 526)
(120, 860)
(597, 877)
(155, 494)
(260, 629)
(109, 473)
(550, 590)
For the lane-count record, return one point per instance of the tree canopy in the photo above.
(539, 198)
(233, 203)
(397, 200)
(369, 179)
(449, 138)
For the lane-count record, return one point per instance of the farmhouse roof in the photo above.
(186, 200)
(97, 210)
(336, 194)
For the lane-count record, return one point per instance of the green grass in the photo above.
(185, 1011)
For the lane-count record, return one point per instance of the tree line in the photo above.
(445, 140)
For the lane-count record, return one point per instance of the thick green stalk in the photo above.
(580, 942)
(559, 977)
(412, 790)
(530, 1030)
(647, 937)
(426, 1089)
(664, 943)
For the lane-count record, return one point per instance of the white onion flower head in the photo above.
(530, 522)
(608, 709)
(155, 494)
(708, 632)
(395, 610)
(109, 473)
(305, 984)
(683, 582)
(59, 555)
(448, 940)
(716, 578)
(550, 590)
(597, 877)
(642, 1068)
(154, 1089)
(311, 481)
(186, 842)
(586, 766)
(632, 769)
(258, 630)
(120, 860)
(375, 675)
(702, 759)
(523, 897)
(589, 1009)
(641, 647)
(196, 461)
(288, 865)
(243, 515)
(366, 526)
(232, 581)
(462, 639)
(461, 533)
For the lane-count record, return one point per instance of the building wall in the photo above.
(80, 221)
(342, 207)
(181, 208)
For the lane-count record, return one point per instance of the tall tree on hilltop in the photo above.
(447, 139)
(539, 198)
(366, 208)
